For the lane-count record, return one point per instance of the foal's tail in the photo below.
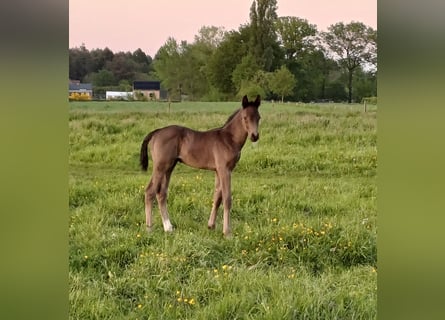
(144, 152)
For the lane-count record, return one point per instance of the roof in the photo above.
(146, 85)
(80, 86)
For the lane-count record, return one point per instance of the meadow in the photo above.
(304, 217)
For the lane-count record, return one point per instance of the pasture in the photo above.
(303, 218)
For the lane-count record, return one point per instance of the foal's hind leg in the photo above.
(158, 187)
(161, 196)
(150, 192)
(217, 198)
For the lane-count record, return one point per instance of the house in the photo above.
(151, 90)
(80, 91)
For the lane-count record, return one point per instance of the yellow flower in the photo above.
(226, 267)
(192, 301)
(139, 306)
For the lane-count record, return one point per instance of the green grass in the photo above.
(303, 217)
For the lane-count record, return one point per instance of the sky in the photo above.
(147, 24)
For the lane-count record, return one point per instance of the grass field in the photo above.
(303, 217)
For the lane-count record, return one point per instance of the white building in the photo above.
(118, 95)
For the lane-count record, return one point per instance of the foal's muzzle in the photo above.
(254, 137)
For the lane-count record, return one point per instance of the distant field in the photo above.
(303, 217)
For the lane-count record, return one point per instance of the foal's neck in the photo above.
(236, 131)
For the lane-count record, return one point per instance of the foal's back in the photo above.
(192, 147)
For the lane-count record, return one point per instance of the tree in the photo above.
(262, 79)
(79, 62)
(354, 45)
(140, 57)
(143, 60)
(323, 70)
(167, 64)
(264, 44)
(251, 89)
(123, 66)
(282, 82)
(225, 58)
(124, 85)
(245, 70)
(197, 62)
(297, 40)
(295, 35)
(210, 36)
(365, 85)
(193, 75)
(99, 58)
(103, 78)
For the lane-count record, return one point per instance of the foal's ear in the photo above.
(245, 102)
(257, 101)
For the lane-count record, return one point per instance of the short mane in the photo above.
(232, 116)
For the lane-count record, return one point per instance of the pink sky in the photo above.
(146, 24)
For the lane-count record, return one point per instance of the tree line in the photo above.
(276, 57)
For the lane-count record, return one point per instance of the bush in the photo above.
(214, 95)
(79, 96)
(138, 95)
(251, 90)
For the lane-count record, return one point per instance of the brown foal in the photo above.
(217, 149)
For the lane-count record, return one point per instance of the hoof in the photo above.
(227, 235)
(168, 227)
(210, 227)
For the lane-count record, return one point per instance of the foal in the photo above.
(217, 149)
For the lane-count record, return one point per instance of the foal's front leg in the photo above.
(225, 180)
(217, 198)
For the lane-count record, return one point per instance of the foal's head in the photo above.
(251, 117)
